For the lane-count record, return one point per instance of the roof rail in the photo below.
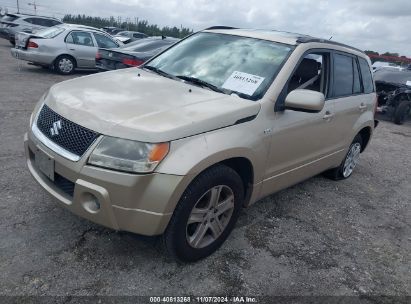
(312, 39)
(221, 27)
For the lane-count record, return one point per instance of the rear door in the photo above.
(81, 45)
(349, 96)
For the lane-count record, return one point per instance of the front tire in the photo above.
(65, 65)
(205, 214)
(350, 161)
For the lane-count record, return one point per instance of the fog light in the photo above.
(91, 203)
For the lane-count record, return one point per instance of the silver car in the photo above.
(13, 23)
(64, 47)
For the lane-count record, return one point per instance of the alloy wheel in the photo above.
(210, 216)
(352, 159)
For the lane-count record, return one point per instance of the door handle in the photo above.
(362, 107)
(328, 115)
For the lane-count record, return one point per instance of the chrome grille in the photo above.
(65, 133)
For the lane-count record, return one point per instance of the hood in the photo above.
(139, 105)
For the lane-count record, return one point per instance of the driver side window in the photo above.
(311, 73)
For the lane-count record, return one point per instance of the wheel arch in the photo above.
(241, 164)
(68, 55)
(365, 133)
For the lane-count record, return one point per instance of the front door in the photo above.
(302, 144)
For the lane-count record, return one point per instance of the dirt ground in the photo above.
(317, 238)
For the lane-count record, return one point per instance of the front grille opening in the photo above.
(65, 133)
(64, 184)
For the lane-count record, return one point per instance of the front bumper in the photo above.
(141, 204)
(32, 56)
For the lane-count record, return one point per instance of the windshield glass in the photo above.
(50, 32)
(242, 65)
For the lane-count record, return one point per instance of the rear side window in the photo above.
(343, 75)
(367, 81)
(80, 38)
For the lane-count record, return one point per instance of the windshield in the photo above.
(241, 65)
(50, 32)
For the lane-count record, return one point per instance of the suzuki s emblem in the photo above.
(56, 127)
(110, 54)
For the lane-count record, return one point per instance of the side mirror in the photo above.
(305, 101)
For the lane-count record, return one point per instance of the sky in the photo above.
(378, 25)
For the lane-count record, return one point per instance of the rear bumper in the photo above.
(140, 204)
(32, 56)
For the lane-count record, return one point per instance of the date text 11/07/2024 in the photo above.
(224, 299)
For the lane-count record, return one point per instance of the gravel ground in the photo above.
(317, 238)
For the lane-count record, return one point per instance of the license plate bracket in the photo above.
(45, 163)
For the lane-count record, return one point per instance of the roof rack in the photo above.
(312, 39)
(221, 27)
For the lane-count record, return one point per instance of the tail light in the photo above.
(32, 45)
(98, 56)
(132, 62)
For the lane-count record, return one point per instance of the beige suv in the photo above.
(223, 118)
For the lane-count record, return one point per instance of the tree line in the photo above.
(137, 25)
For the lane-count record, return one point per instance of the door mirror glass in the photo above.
(305, 101)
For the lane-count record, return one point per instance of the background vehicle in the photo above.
(14, 23)
(132, 35)
(394, 93)
(64, 47)
(133, 54)
(112, 30)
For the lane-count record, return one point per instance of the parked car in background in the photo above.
(14, 23)
(133, 54)
(64, 47)
(132, 35)
(178, 146)
(112, 30)
(394, 93)
(122, 39)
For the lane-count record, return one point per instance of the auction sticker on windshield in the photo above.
(243, 83)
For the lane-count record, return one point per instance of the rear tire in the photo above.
(402, 111)
(205, 214)
(65, 65)
(350, 161)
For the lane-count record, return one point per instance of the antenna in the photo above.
(34, 4)
(331, 38)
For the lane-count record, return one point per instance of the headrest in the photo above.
(307, 69)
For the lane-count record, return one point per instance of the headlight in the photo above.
(128, 155)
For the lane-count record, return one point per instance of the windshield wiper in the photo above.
(158, 71)
(203, 83)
